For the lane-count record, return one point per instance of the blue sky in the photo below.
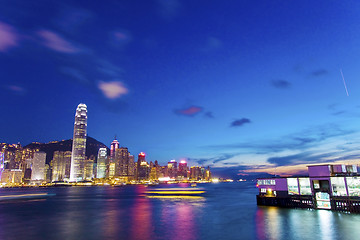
(249, 86)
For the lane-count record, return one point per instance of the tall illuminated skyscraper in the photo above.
(183, 169)
(101, 163)
(172, 168)
(114, 145)
(38, 166)
(61, 166)
(143, 168)
(79, 144)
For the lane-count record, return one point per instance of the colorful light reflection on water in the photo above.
(226, 211)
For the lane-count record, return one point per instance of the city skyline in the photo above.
(243, 87)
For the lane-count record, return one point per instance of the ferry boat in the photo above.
(175, 192)
(332, 187)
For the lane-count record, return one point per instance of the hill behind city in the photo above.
(92, 147)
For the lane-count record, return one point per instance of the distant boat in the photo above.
(176, 192)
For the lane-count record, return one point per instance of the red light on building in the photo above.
(142, 154)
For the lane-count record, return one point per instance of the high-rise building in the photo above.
(141, 158)
(77, 172)
(101, 163)
(114, 145)
(2, 163)
(122, 157)
(12, 156)
(12, 176)
(61, 166)
(26, 156)
(172, 169)
(38, 166)
(143, 171)
(195, 173)
(183, 169)
(89, 168)
(47, 173)
(208, 174)
(131, 166)
(153, 173)
(111, 170)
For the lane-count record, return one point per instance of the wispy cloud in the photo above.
(212, 160)
(281, 84)
(108, 69)
(56, 42)
(75, 74)
(311, 158)
(319, 72)
(189, 111)
(121, 36)
(169, 9)
(339, 113)
(240, 122)
(306, 138)
(16, 89)
(113, 90)
(209, 115)
(70, 18)
(8, 37)
(212, 44)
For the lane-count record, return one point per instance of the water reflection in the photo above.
(111, 215)
(176, 198)
(260, 224)
(185, 224)
(141, 212)
(281, 223)
(274, 223)
(325, 219)
(225, 212)
(177, 217)
(268, 223)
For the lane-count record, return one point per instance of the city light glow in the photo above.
(176, 192)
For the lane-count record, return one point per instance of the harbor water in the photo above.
(225, 211)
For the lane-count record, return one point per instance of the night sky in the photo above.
(248, 86)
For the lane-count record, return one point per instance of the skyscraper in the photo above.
(172, 168)
(143, 168)
(79, 144)
(114, 145)
(61, 165)
(38, 166)
(101, 163)
(131, 165)
(89, 168)
(183, 169)
(2, 163)
(122, 157)
(141, 158)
